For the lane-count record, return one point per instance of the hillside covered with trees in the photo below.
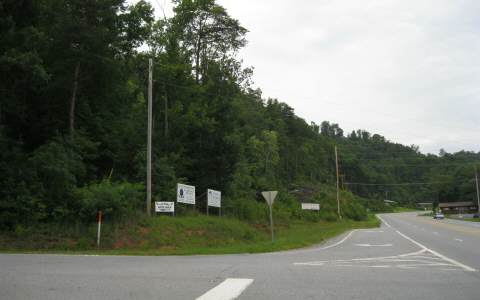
(73, 86)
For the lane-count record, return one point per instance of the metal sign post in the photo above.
(270, 197)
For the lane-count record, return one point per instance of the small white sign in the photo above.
(311, 206)
(165, 207)
(269, 196)
(186, 194)
(214, 198)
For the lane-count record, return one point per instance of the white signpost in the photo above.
(270, 197)
(214, 198)
(185, 194)
(165, 207)
(310, 206)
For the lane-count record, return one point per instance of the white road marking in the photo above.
(322, 262)
(370, 245)
(452, 261)
(384, 222)
(339, 242)
(459, 240)
(373, 231)
(231, 288)
(310, 263)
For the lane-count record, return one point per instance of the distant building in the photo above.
(390, 202)
(458, 207)
(425, 205)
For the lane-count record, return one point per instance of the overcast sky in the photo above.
(408, 70)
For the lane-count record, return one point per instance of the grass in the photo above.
(181, 236)
(462, 219)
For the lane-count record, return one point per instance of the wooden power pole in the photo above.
(338, 183)
(478, 194)
(149, 140)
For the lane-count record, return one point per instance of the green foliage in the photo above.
(176, 235)
(115, 200)
(62, 131)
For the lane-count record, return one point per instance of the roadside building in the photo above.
(425, 205)
(458, 207)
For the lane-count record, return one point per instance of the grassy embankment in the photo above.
(178, 236)
(462, 219)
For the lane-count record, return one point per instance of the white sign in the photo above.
(165, 207)
(311, 206)
(214, 198)
(185, 194)
(269, 196)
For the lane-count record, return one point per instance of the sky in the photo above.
(408, 70)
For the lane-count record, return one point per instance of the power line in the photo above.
(399, 184)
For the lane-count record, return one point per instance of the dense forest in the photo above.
(73, 86)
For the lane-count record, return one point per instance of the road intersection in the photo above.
(403, 259)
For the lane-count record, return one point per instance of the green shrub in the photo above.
(115, 200)
(247, 209)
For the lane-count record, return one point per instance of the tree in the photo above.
(206, 33)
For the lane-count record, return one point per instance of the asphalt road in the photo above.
(409, 257)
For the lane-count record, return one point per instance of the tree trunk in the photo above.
(166, 116)
(197, 62)
(74, 98)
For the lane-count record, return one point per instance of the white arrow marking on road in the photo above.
(230, 289)
(459, 240)
(370, 245)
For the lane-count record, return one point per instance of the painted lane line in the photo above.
(229, 289)
(323, 262)
(385, 257)
(450, 260)
(384, 222)
(459, 240)
(310, 263)
(339, 242)
(370, 245)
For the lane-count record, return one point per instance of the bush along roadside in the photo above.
(243, 226)
(183, 235)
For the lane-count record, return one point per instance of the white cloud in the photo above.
(405, 69)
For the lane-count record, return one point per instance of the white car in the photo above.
(438, 216)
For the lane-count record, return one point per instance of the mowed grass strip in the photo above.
(189, 235)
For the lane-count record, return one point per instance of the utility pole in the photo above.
(478, 194)
(338, 183)
(149, 140)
